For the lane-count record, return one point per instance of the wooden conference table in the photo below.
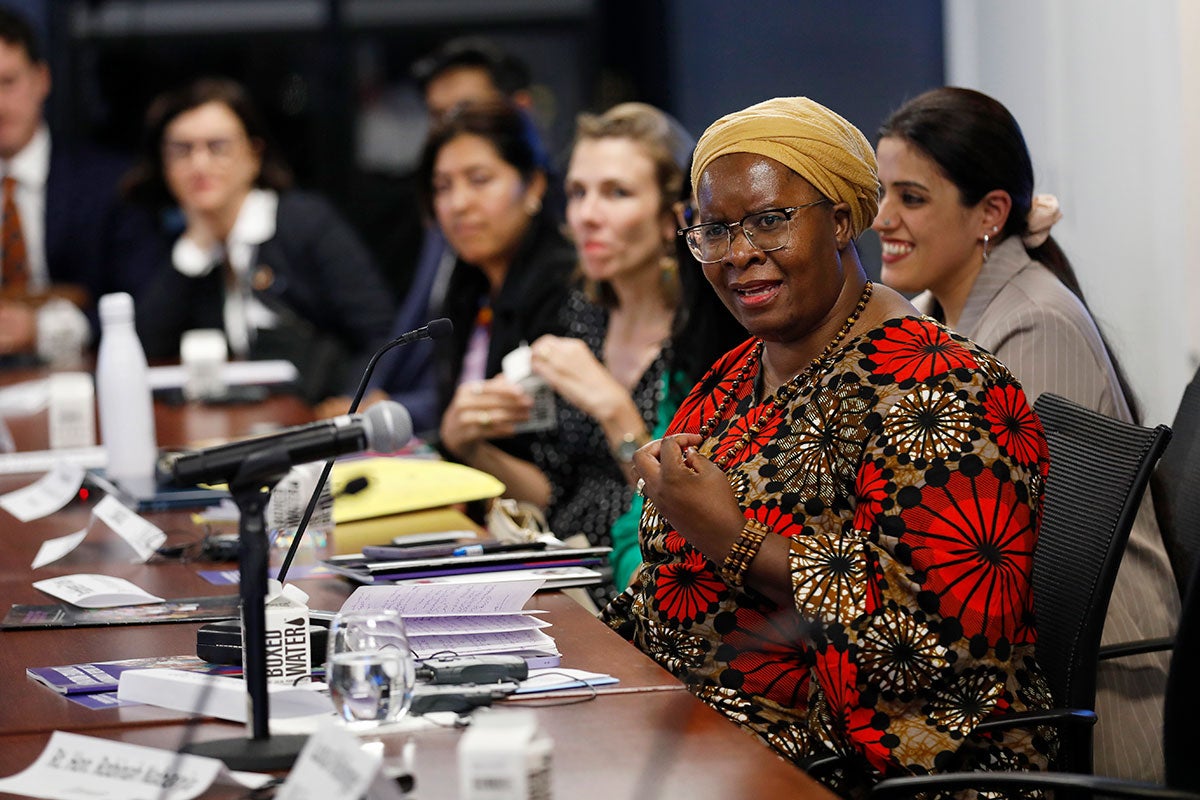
(645, 737)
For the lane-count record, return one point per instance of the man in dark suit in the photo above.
(76, 238)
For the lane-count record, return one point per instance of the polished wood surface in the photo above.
(645, 737)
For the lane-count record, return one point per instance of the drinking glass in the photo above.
(370, 668)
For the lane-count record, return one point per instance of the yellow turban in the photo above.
(808, 138)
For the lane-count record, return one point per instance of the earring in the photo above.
(534, 206)
(986, 239)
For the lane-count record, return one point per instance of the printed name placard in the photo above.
(141, 534)
(74, 766)
(46, 495)
(334, 763)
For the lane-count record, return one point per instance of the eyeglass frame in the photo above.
(218, 148)
(787, 211)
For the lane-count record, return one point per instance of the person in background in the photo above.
(702, 331)
(274, 267)
(625, 172)
(484, 184)
(959, 222)
(462, 72)
(802, 509)
(66, 232)
(471, 70)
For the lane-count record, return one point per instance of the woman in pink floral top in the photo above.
(840, 521)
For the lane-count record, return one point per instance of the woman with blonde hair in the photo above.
(625, 173)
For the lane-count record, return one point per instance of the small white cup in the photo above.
(203, 352)
(72, 410)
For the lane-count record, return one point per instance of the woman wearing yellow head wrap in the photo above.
(839, 521)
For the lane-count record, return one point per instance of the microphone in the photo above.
(436, 329)
(384, 428)
(439, 328)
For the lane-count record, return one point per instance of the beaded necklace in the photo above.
(783, 394)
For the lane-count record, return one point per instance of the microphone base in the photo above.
(274, 754)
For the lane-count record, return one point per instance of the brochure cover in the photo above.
(64, 615)
(104, 676)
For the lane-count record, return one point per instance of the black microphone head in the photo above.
(388, 427)
(440, 328)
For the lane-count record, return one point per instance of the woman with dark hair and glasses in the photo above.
(839, 522)
(959, 222)
(276, 268)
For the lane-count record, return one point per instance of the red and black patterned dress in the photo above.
(907, 471)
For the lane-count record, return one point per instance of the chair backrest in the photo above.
(1182, 700)
(1176, 488)
(1099, 468)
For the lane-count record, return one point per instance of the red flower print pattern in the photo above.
(918, 351)
(688, 589)
(1013, 423)
(973, 541)
(870, 490)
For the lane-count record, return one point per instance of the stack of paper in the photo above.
(465, 618)
(557, 567)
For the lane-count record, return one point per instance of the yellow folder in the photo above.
(399, 485)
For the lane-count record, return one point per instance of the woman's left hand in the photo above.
(691, 493)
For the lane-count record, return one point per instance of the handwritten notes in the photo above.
(445, 599)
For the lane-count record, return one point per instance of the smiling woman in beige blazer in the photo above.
(959, 222)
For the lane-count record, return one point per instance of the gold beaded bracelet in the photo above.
(733, 571)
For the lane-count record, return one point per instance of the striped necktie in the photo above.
(14, 278)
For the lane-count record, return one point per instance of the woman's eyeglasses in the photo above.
(181, 150)
(765, 230)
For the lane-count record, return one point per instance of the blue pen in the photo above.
(498, 547)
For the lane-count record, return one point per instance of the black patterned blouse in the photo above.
(907, 472)
(588, 487)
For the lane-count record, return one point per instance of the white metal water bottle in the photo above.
(123, 395)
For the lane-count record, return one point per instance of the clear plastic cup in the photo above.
(369, 668)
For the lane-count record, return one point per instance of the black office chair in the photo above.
(1176, 487)
(1182, 703)
(1099, 468)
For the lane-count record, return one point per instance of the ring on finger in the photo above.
(641, 484)
(485, 419)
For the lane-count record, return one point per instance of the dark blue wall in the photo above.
(862, 58)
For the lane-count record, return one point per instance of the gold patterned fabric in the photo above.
(907, 474)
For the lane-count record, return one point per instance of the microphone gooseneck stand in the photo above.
(302, 526)
(251, 489)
